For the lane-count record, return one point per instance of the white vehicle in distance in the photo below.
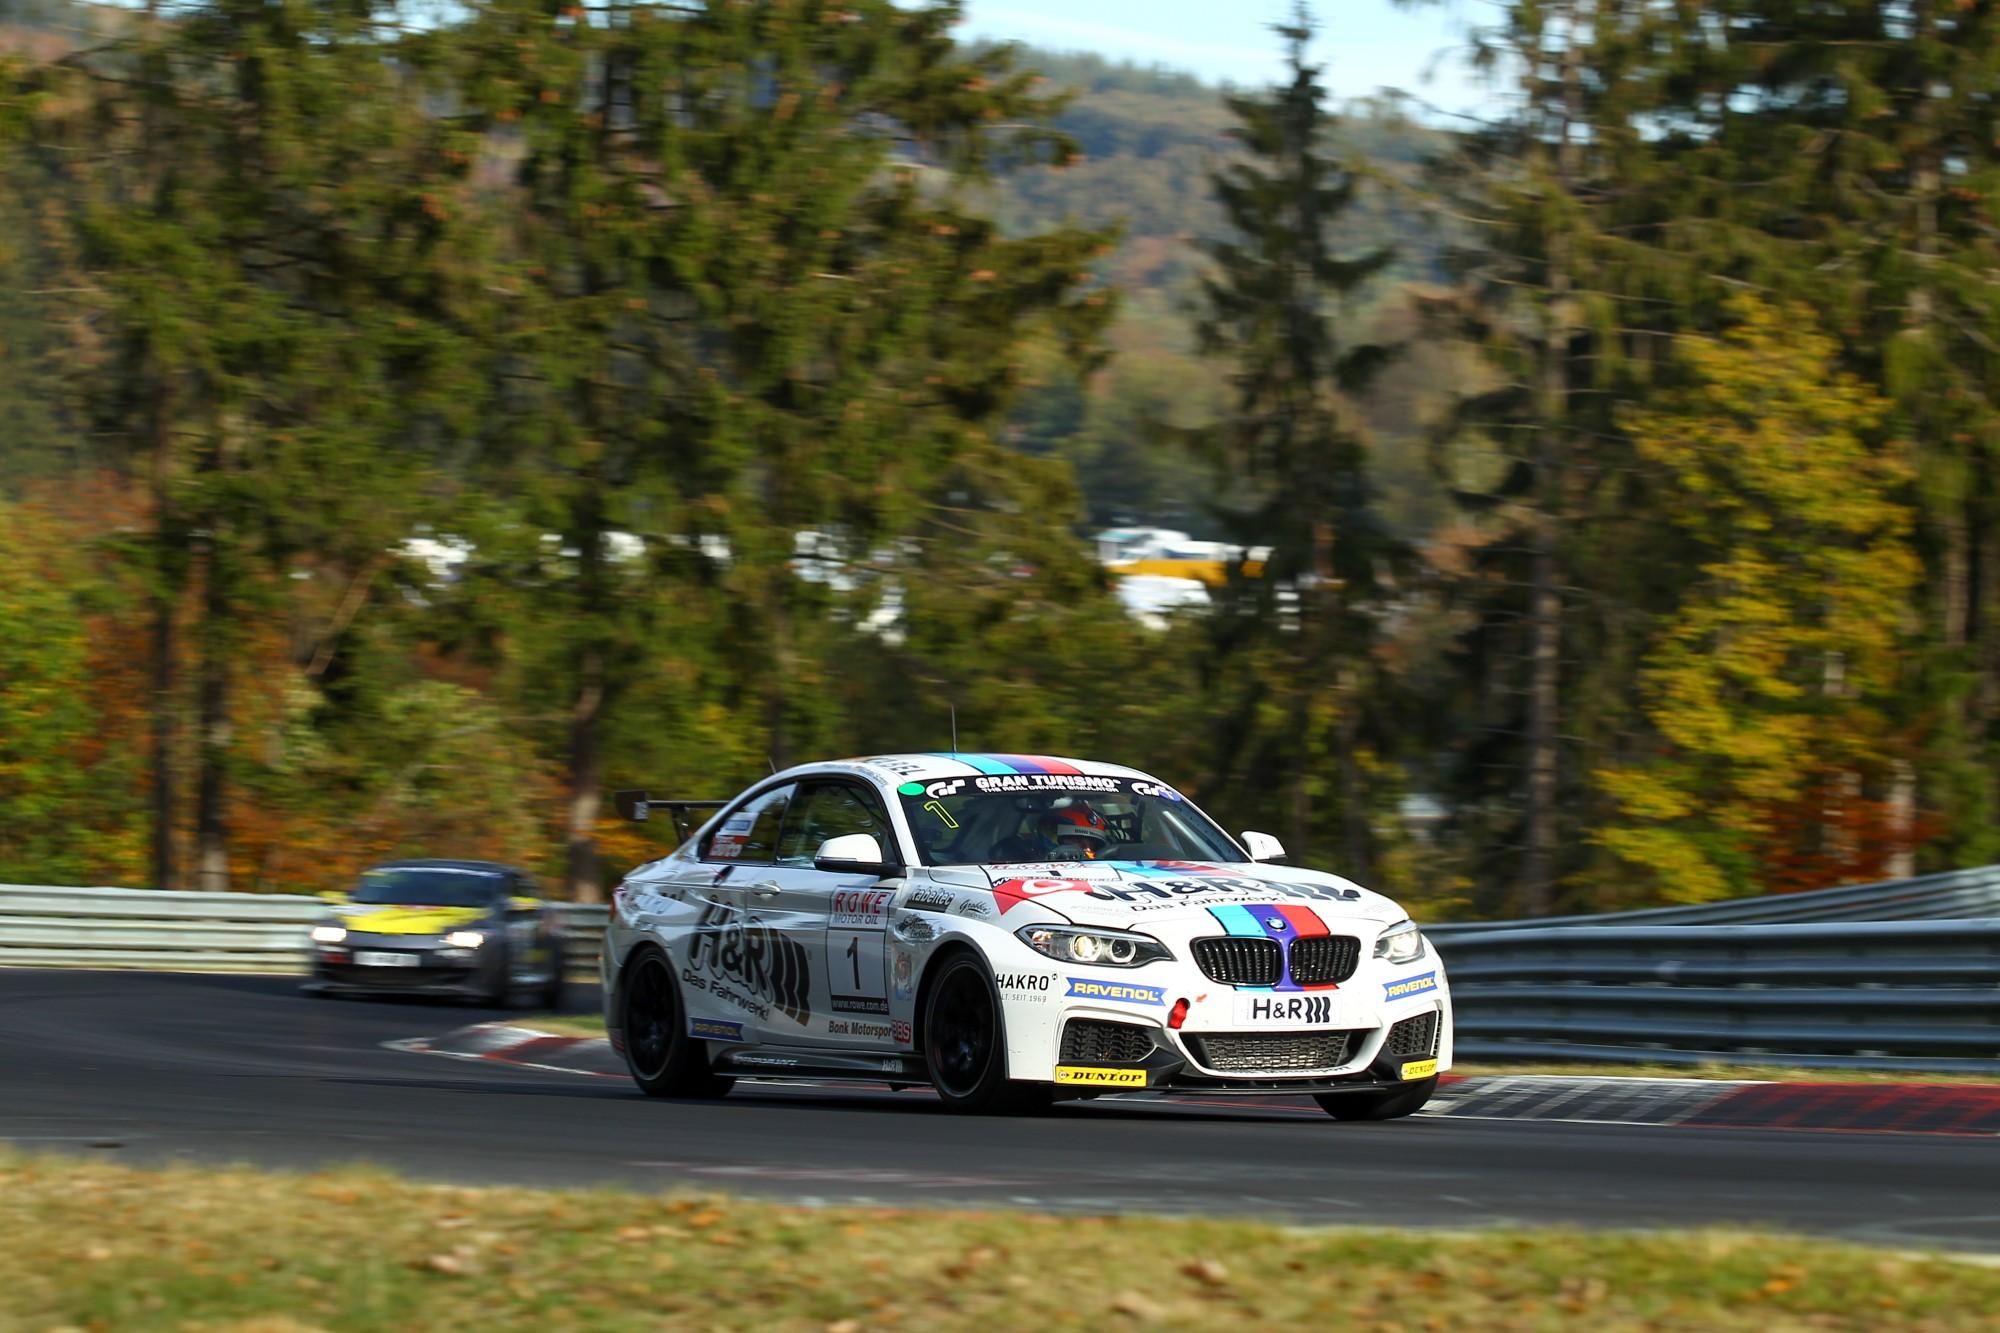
(1010, 929)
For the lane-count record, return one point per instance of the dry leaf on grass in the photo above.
(1208, 1272)
(456, 1264)
(1138, 1307)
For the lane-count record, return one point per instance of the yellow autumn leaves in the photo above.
(1772, 687)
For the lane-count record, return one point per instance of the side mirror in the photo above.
(854, 854)
(1263, 847)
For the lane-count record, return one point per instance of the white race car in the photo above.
(1010, 929)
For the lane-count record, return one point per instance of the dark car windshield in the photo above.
(428, 886)
(1054, 817)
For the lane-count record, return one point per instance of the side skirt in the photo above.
(788, 1062)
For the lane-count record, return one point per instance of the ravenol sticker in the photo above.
(1408, 986)
(1418, 1069)
(1110, 1078)
(714, 1029)
(1124, 992)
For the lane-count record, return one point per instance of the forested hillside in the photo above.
(411, 431)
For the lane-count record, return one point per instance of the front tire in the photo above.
(1392, 1105)
(552, 994)
(965, 1043)
(664, 1061)
(500, 995)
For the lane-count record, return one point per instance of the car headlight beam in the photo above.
(465, 939)
(1401, 943)
(329, 934)
(1094, 948)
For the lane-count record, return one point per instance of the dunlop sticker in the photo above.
(1112, 1078)
(1420, 1069)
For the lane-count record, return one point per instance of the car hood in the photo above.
(1140, 894)
(407, 920)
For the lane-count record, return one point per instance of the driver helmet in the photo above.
(1077, 827)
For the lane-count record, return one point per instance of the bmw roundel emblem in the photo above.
(1275, 922)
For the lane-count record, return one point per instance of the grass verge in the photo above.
(591, 1025)
(98, 1246)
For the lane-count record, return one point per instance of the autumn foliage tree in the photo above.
(1773, 688)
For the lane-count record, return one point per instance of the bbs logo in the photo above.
(729, 944)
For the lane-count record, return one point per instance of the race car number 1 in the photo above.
(856, 971)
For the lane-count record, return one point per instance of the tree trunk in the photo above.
(1544, 662)
(777, 730)
(1536, 890)
(166, 874)
(1902, 818)
(211, 796)
(584, 876)
(1354, 841)
(169, 556)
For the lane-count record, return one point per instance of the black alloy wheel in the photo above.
(1391, 1105)
(663, 1059)
(965, 1043)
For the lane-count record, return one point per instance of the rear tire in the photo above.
(552, 994)
(1392, 1105)
(965, 1044)
(664, 1061)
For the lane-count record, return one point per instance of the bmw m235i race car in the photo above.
(1011, 929)
(470, 928)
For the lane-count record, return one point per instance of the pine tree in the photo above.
(1292, 462)
(1846, 156)
(1558, 288)
(260, 213)
(748, 312)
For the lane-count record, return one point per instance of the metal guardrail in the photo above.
(1910, 995)
(1952, 895)
(45, 926)
(1921, 995)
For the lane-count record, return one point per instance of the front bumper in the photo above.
(360, 965)
(1098, 1052)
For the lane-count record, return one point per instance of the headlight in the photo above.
(1401, 943)
(329, 934)
(465, 939)
(1099, 948)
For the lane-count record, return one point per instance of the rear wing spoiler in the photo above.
(637, 806)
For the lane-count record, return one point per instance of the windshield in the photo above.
(1054, 817)
(430, 886)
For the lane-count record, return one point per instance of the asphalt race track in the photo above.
(145, 1067)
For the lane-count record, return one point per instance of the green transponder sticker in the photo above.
(911, 789)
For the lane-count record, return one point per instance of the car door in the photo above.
(838, 919)
(740, 977)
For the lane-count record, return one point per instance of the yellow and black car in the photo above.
(477, 929)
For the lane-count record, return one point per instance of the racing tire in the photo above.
(500, 994)
(662, 1059)
(1393, 1105)
(552, 993)
(965, 1044)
